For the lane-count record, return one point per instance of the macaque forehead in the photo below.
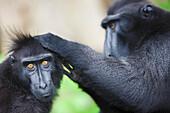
(125, 4)
(37, 57)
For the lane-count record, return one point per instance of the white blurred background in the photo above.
(76, 20)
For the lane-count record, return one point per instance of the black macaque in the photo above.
(138, 83)
(29, 77)
(128, 25)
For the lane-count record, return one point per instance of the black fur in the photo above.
(118, 4)
(134, 21)
(15, 94)
(138, 83)
(135, 84)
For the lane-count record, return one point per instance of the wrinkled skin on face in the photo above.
(29, 77)
(39, 69)
(128, 25)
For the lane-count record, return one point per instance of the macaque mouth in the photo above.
(47, 95)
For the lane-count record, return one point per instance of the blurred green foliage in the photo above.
(1, 58)
(72, 99)
(165, 4)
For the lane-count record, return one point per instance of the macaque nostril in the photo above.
(43, 86)
(109, 55)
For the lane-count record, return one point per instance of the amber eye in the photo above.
(30, 66)
(112, 26)
(44, 63)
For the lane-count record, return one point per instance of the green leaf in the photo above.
(1, 58)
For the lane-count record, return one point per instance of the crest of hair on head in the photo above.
(18, 39)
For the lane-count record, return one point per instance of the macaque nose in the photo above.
(42, 85)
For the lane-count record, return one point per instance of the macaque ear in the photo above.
(147, 12)
(12, 59)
